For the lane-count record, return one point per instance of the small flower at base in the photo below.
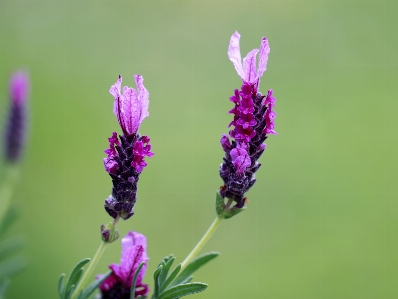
(109, 233)
(118, 284)
(15, 133)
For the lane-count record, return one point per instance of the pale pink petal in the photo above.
(131, 110)
(131, 239)
(234, 53)
(143, 96)
(263, 58)
(249, 66)
(133, 253)
(115, 89)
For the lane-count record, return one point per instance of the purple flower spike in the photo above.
(15, 134)
(127, 152)
(118, 284)
(253, 121)
(247, 71)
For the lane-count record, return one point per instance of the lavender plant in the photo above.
(14, 142)
(252, 123)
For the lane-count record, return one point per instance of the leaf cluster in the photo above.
(67, 287)
(178, 284)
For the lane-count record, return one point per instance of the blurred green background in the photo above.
(322, 218)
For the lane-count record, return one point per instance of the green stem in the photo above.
(7, 188)
(92, 265)
(202, 242)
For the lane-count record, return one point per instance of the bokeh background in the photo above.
(322, 218)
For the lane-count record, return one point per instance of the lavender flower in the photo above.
(15, 134)
(253, 121)
(118, 284)
(127, 152)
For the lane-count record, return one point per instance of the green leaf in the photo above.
(166, 267)
(156, 275)
(61, 285)
(9, 246)
(220, 206)
(132, 290)
(187, 280)
(195, 265)
(11, 267)
(94, 285)
(171, 277)
(80, 296)
(75, 276)
(9, 218)
(165, 260)
(69, 292)
(183, 290)
(74, 280)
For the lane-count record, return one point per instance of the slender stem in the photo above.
(202, 242)
(92, 265)
(7, 188)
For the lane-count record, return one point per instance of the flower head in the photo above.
(126, 153)
(118, 284)
(15, 134)
(131, 107)
(247, 70)
(253, 121)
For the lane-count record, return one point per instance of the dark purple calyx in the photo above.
(124, 164)
(253, 120)
(15, 133)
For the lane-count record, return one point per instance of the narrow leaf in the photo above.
(165, 260)
(165, 270)
(171, 277)
(94, 285)
(132, 290)
(61, 285)
(80, 296)
(156, 275)
(195, 265)
(183, 290)
(187, 280)
(72, 278)
(69, 292)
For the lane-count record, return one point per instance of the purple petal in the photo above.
(249, 66)
(234, 54)
(225, 143)
(108, 283)
(143, 97)
(110, 165)
(263, 58)
(240, 159)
